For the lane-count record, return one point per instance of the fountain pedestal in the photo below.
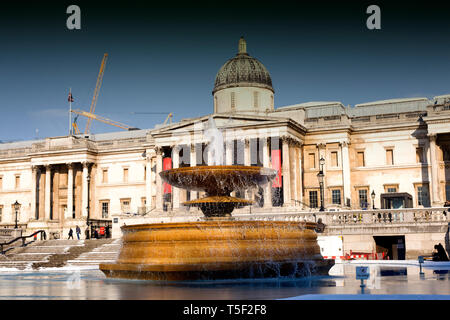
(218, 249)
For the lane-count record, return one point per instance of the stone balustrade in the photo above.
(358, 217)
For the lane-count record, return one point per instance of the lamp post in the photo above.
(320, 177)
(16, 208)
(88, 178)
(372, 195)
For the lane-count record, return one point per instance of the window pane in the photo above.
(363, 198)
(336, 196)
(313, 199)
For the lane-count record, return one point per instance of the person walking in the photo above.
(78, 231)
(70, 233)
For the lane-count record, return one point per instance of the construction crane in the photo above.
(169, 116)
(92, 116)
(96, 92)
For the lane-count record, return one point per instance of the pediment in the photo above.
(221, 120)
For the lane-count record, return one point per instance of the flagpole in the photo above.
(70, 112)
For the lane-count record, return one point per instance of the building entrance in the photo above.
(393, 246)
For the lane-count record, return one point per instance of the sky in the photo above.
(164, 58)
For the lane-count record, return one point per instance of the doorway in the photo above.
(393, 246)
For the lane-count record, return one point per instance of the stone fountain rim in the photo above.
(217, 223)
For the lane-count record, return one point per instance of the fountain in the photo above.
(219, 246)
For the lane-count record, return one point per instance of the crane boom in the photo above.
(92, 116)
(96, 92)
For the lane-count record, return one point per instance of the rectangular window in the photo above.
(334, 159)
(125, 205)
(389, 156)
(233, 101)
(360, 159)
(125, 175)
(362, 193)
(422, 196)
(419, 155)
(105, 176)
(447, 192)
(105, 209)
(312, 160)
(255, 100)
(17, 182)
(1, 213)
(313, 202)
(391, 190)
(336, 196)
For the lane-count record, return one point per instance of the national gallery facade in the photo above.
(383, 154)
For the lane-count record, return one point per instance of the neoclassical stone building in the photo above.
(398, 150)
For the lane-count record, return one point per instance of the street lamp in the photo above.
(88, 179)
(16, 208)
(372, 195)
(320, 177)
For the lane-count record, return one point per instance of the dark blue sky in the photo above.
(164, 59)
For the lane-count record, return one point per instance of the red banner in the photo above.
(276, 164)
(167, 165)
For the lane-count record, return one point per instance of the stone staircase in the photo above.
(61, 253)
(105, 253)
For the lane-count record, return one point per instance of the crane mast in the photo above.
(96, 92)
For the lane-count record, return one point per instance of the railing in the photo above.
(359, 217)
(23, 238)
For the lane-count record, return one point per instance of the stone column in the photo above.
(286, 172)
(159, 188)
(294, 173)
(247, 162)
(70, 190)
(148, 183)
(84, 190)
(48, 173)
(193, 163)
(300, 174)
(346, 173)
(34, 210)
(175, 164)
(266, 164)
(434, 170)
(229, 154)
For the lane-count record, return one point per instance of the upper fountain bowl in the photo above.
(218, 180)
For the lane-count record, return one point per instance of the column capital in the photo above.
(291, 141)
(432, 136)
(176, 148)
(86, 164)
(321, 145)
(70, 165)
(344, 143)
(48, 166)
(192, 147)
(158, 150)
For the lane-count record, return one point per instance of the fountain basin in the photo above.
(218, 249)
(218, 180)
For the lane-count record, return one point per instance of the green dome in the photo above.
(242, 71)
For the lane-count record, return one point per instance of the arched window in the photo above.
(233, 101)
